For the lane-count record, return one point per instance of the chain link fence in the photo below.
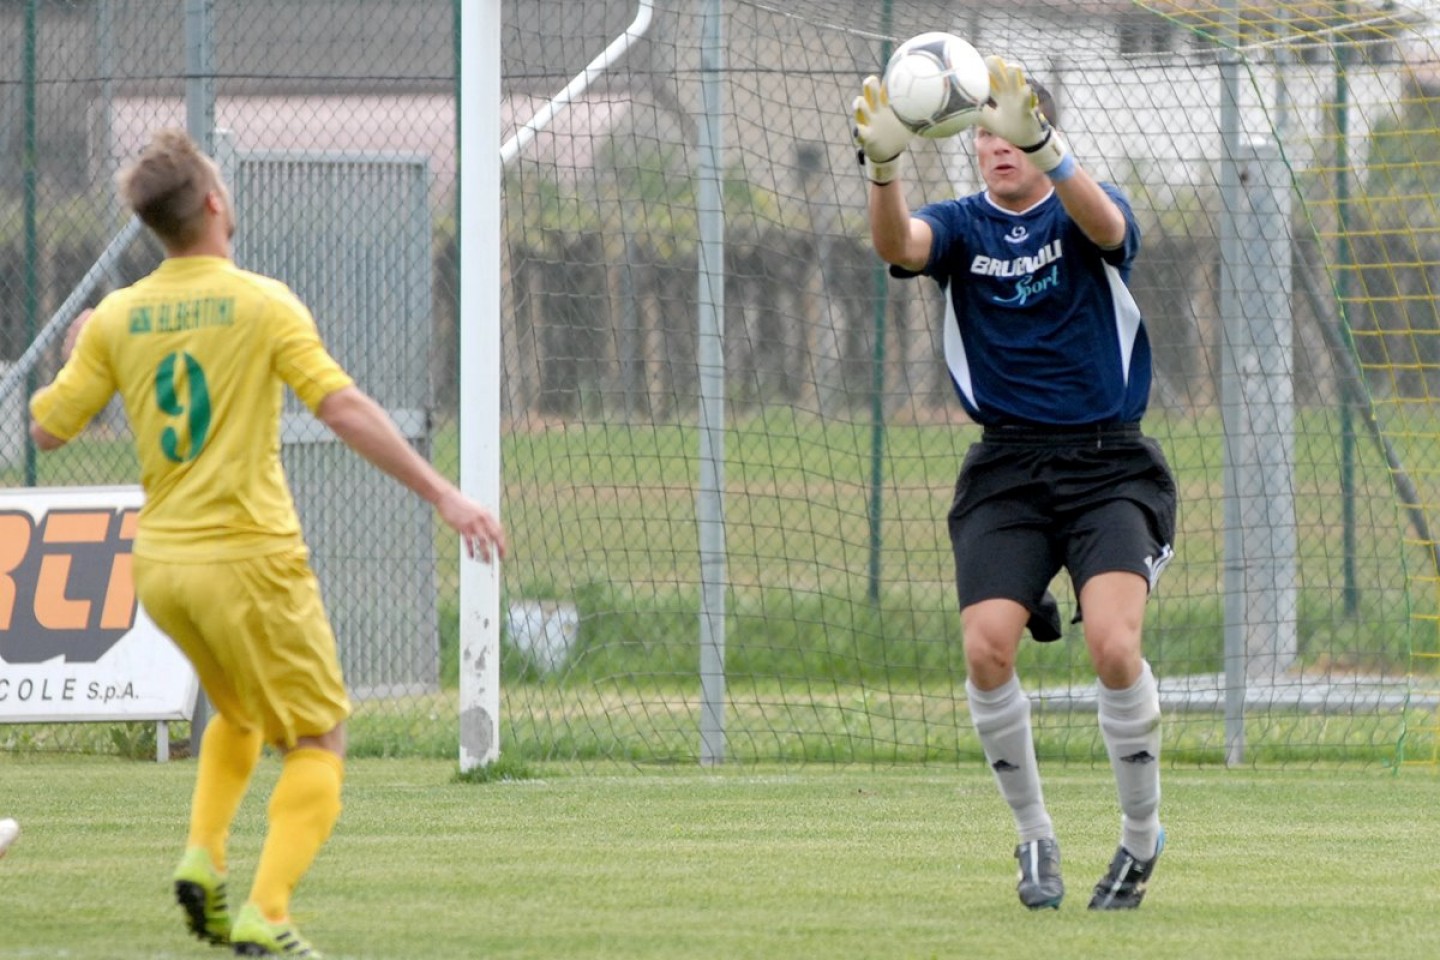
(1298, 618)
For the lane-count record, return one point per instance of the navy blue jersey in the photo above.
(1040, 326)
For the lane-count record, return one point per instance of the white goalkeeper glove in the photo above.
(879, 134)
(1013, 114)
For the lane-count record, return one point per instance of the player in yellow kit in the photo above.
(200, 352)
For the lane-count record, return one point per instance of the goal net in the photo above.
(1282, 160)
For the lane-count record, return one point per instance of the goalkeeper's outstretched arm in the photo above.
(1092, 209)
(898, 237)
(882, 140)
(1014, 114)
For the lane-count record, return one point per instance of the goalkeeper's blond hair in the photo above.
(167, 184)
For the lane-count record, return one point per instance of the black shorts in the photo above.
(1030, 501)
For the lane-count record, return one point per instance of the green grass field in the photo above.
(758, 863)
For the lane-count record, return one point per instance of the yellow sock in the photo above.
(227, 759)
(303, 811)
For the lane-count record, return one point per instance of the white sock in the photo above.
(1002, 718)
(1130, 724)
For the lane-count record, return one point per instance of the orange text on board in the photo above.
(66, 585)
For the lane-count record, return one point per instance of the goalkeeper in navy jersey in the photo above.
(1048, 353)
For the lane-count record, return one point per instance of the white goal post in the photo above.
(482, 160)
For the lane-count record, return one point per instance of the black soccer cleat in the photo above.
(1040, 885)
(1123, 886)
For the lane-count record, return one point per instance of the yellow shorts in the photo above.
(257, 634)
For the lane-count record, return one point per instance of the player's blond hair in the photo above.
(167, 184)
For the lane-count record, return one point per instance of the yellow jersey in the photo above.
(199, 351)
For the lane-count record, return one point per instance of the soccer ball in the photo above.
(9, 830)
(936, 83)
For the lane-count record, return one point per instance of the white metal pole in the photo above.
(710, 505)
(579, 83)
(200, 73)
(479, 246)
(1238, 443)
(200, 124)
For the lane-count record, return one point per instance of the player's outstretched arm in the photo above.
(880, 136)
(1014, 114)
(882, 141)
(368, 430)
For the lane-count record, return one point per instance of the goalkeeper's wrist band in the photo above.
(1064, 171)
(1051, 156)
(882, 172)
(1035, 148)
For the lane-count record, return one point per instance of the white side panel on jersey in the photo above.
(955, 358)
(1127, 318)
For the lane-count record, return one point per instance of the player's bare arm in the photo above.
(44, 439)
(898, 237)
(1092, 209)
(882, 140)
(73, 333)
(369, 431)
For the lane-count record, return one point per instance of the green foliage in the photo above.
(134, 741)
(403, 729)
(506, 769)
(648, 192)
(1402, 154)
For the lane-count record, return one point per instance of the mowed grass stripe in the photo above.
(885, 862)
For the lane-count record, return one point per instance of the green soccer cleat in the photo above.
(200, 891)
(254, 936)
